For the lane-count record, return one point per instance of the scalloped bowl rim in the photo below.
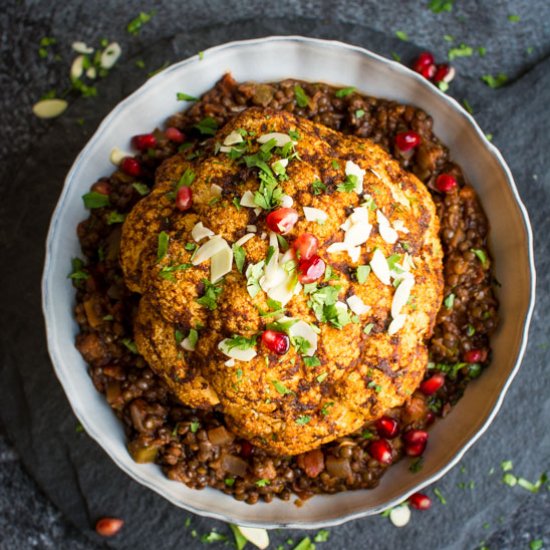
(152, 480)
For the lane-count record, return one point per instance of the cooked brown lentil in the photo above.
(193, 446)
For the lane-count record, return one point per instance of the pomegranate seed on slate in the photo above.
(282, 220)
(107, 527)
(381, 450)
(311, 269)
(277, 342)
(444, 73)
(405, 141)
(184, 198)
(142, 142)
(432, 384)
(425, 59)
(445, 183)
(173, 134)
(415, 442)
(420, 501)
(475, 356)
(305, 246)
(131, 166)
(387, 427)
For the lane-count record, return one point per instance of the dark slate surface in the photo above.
(74, 481)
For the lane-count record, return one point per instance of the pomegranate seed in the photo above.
(445, 183)
(246, 448)
(430, 418)
(428, 71)
(420, 501)
(387, 427)
(184, 198)
(415, 442)
(305, 246)
(432, 384)
(381, 450)
(102, 187)
(131, 166)
(277, 342)
(142, 142)
(475, 356)
(282, 220)
(310, 270)
(444, 73)
(107, 527)
(405, 141)
(173, 134)
(423, 60)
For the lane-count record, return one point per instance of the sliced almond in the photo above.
(245, 238)
(353, 169)
(199, 232)
(215, 191)
(236, 353)
(401, 295)
(315, 214)
(77, 67)
(81, 47)
(49, 108)
(247, 200)
(397, 324)
(280, 139)
(380, 267)
(358, 234)
(304, 330)
(387, 232)
(357, 305)
(230, 363)
(233, 138)
(221, 263)
(286, 201)
(208, 249)
(252, 228)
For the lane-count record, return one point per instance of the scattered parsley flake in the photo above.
(162, 249)
(460, 51)
(368, 328)
(93, 199)
(134, 26)
(167, 271)
(303, 420)
(304, 544)
(229, 481)
(301, 344)
(343, 92)
(536, 544)
(302, 98)
(438, 494)
(201, 55)
(281, 388)
(210, 296)
(239, 255)
(213, 536)
(449, 301)
(335, 164)
(360, 113)
(312, 361)
(439, 6)
(318, 187)
(140, 64)
(141, 188)
(482, 51)
(470, 330)
(416, 465)
(514, 18)
(207, 126)
(362, 273)
(78, 273)
(367, 434)
(467, 106)
(448, 38)
(481, 256)
(325, 409)
(396, 56)
(130, 345)
(79, 429)
(402, 35)
(262, 482)
(349, 185)
(240, 541)
(506, 465)
(236, 203)
(510, 479)
(240, 342)
(181, 96)
(321, 536)
(115, 217)
(322, 377)
(489, 137)
(194, 426)
(495, 81)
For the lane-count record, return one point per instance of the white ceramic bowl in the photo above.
(270, 59)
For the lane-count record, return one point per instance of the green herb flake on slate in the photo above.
(135, 25)
(438, 494)
(536, 544)
(495, 81)
(402, 35)
(93, 199)
(514, 18)
(396, 56)
(439, 6)
(240, 541)
(460, 51)
(482, 51)
(510, 479)
(467, 106)
(321, 536)
(302, 98)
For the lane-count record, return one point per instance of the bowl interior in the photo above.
(277, 58)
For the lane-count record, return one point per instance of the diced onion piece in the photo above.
(353, 169)
(315, 214)
(252, 228)
(117, 155)
(248, 200)
(357, 305)
(221, 263)
(77, 67)
(233, 138)
(245, 238)
(397, 324)
(398, 225)
(400, 515)
(199, 232)
(49, 108)
(208, 249)
(230, 363)
(401, 296)
(215, 191)
(286, 201)
(380, 267)
(305, 331)
(110, 55)
(280, 139)
(387, 232)
(81, 47)
(236, 353)
(258, 537)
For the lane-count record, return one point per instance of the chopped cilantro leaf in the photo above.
(438, 6)
(318, 187)
(396, 56)
(281, 388)
(162, 249)
(178, 336)
(510, 479)
(482, 257)
(506, 465)
(301, 344)
(229, 481)
(190, 246)
(360, 113)
(134, 26)
(514, 18)
(303, 420)
(481, 51)
(239, 255)
(322, 377)
(240, 541)
(186, 179)
(343, 92)
(495, 81)
(115, 217)
(467, 106)
(438, 494)
(325, 409)
(416, 465)
(311, 361)
(78, 273)
(240, 342)
(367, 434)
(130, 345)
(460, 51)
(536, 544)
(448, 38)
(194, 426)
(141, 188)
(362, 273)
(167, 271)
(402, 35)
(253, 274)
(210, 296)
(349, 185)
(302, 98)
(237, 203)
(93, 199)
(181, 96)
(470, 330)
(207, 126)
(335, 164)
(449, 301)
(262, 482)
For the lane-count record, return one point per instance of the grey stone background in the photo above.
(54, 483)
